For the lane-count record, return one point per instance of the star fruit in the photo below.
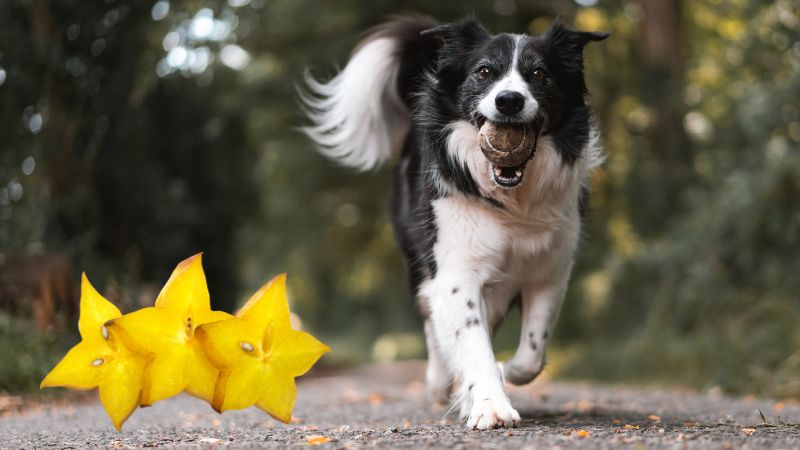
(164, 335)
(100, 360)
(259, 354)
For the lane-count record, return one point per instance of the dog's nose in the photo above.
(509, 102)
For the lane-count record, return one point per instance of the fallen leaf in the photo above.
(584, 406)
(631, 427)
(259, 354)
(654, 417)
(374, 399)
(779, 406)
(748, 431)
(10, 404)
(582, 433)
(616, 421)
(317, 439)
(100, 360)
(415, 386)
(164, 335)
(351, 396)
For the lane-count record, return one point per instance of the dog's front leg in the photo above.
(459, 320)
(540, 306)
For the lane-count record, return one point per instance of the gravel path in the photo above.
(384, 407)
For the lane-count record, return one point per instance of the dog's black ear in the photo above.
(454, 42)
(566, 44)
(466, 31)
(563, 36)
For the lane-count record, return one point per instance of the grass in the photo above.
(778, 424)
(27, 355)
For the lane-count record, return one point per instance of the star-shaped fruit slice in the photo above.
(100, 360)
(164, 335)
(259, 354)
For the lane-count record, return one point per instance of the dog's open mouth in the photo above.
(508, 177)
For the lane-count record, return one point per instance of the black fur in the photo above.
(412, 216)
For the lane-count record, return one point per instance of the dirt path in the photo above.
(384, 407)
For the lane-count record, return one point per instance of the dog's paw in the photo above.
(517, 375)
(489, 413)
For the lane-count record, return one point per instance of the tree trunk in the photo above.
(666, 168)
(660, 33)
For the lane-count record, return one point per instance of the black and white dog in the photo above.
(476, 237)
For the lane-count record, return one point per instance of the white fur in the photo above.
(466, 255)
(514, 82)
(490, 254)
(359, 118)
(437, 378)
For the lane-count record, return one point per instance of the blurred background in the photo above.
(134, 134)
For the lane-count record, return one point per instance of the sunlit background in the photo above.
(134, 134)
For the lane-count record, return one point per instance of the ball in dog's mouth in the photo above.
(508, 147)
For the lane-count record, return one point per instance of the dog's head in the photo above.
(534, 82)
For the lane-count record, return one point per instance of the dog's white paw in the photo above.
(490, 413)
(519, 376)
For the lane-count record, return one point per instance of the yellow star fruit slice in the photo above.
(259, 354)
(164, 335)
(99, 360)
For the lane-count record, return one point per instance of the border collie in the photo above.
(476, 237)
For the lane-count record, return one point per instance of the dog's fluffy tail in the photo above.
(361, 116)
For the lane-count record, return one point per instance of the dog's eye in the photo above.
(538, 74)
(484, 72)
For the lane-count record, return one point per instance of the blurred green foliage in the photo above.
(135, 134)
(29, 355)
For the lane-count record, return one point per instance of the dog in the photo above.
(477, 237)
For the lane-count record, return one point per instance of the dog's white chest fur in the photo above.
(529, 238)
(534, 222)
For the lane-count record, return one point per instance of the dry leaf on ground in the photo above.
(317, 439)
